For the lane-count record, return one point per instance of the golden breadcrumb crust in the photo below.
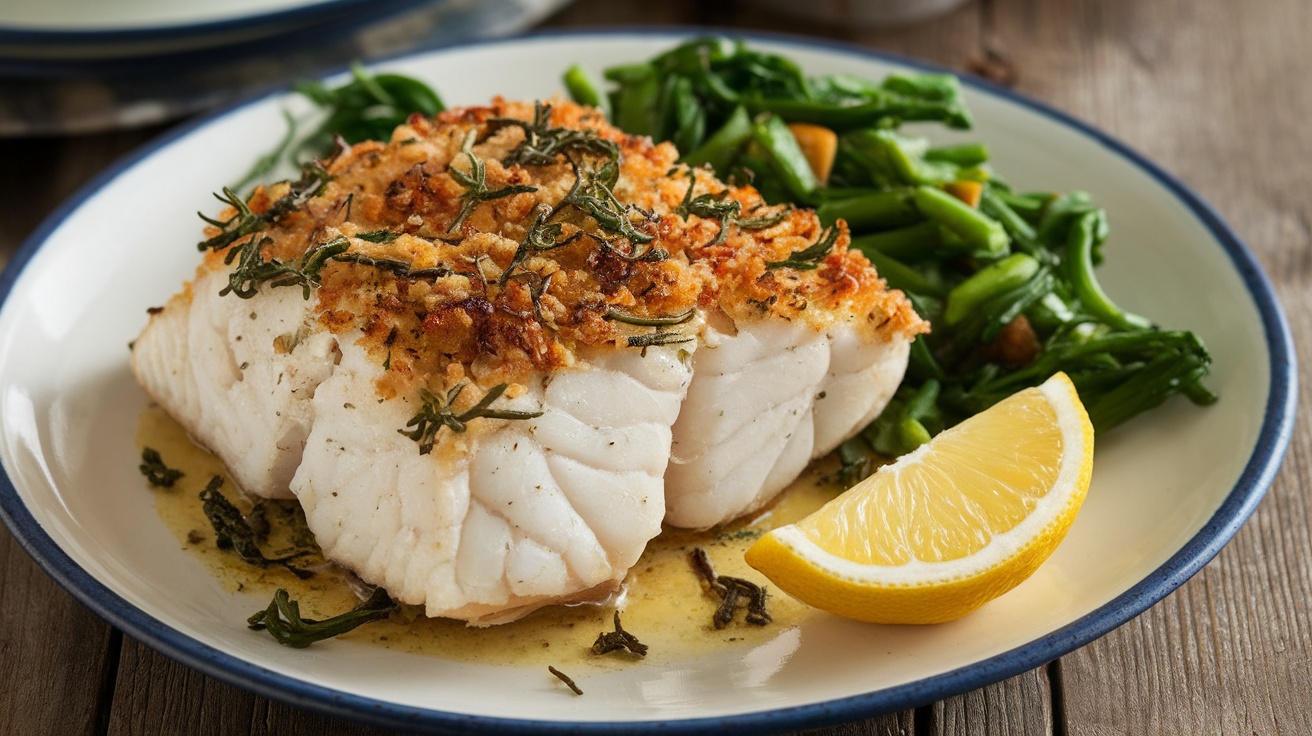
(446, 308)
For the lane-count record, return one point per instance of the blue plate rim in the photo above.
(1258, 474)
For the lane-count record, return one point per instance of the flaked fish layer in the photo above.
(668, 355)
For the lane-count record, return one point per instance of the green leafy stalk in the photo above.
(283, 620)
(437, 412)
(368, 107)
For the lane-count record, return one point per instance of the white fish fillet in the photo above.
(238, 375)
(768, 397)
(521, 513)
(302, 397)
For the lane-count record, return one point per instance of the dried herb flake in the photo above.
(233, 531)
(731, 591)
(157, 473)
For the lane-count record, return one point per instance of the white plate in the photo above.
(78, 290)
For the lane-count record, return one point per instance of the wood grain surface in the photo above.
(1215, 91)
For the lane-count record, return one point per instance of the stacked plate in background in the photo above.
(82, 66)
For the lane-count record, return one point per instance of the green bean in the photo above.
(697, 54)
(722, 147)
(921, 405)
(1021, 232)
(1028, 206)
(996, 278)
(913, 243)
(1079, 262)
(583, 90)
(910, 435)
(685, 116)
(873, 210)
(965, 155)
(901, 155)
(1145, 389)
(906, 422)
(636, 104)
(899, 275)
(1059, 216)
(922, 364)
(981, 233)
(786, 158)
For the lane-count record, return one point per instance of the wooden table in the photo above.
(1215, 90)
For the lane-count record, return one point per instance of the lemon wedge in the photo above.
(950, 526)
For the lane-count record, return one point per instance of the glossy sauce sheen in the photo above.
(664, 602)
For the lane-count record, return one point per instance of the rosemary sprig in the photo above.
(252, 269)
(596, 165)
(676, 319)
(231, 531)
(282, 619)
(764, 221)
(543, 144)
(618, 640)
(810, 257)
(378, 236)
(475, 183)
(713, 206)
(536, 290)
(314, 177)
(400, 268)
(437, 413)
(157, 473)
(659, 337)
(593, 195)
(541, 236)
(731, 591)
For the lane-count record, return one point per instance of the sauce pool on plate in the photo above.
(664, 602)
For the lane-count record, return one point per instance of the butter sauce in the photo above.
(663, 601)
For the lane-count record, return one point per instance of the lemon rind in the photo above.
(1049, 510)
